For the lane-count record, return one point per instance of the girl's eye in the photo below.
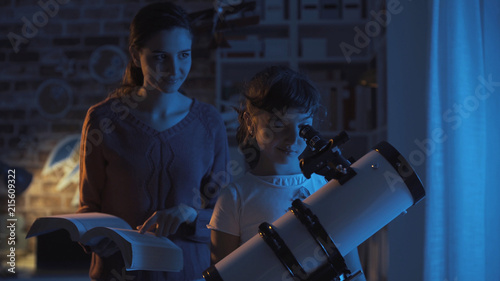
(184, 55)
(276, 123)
(279, 124)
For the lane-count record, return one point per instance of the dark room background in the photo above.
(60, 57)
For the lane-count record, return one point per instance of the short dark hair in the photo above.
(276, 88)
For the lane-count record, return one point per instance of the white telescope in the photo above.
(309, 241)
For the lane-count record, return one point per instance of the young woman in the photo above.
(279, 101)
(149, 153)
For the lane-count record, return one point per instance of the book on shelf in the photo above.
(139, 251)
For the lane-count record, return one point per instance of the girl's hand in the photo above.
(168, 221)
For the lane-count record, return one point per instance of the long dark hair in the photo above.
(274, 89)
(148, 21)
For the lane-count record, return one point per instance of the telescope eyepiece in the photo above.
(313, 138)
(304, 130)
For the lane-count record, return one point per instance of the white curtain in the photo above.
(463, 177)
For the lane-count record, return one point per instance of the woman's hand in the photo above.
(168, 221)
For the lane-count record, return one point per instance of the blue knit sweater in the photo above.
(130, 170)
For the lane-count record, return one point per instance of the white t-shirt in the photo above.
(251, 200)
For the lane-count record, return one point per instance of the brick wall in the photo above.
(49, 78)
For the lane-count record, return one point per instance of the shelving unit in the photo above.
(306, 35)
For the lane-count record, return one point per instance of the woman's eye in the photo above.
(184, 55)
(160, 57)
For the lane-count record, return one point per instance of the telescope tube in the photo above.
(385, 186)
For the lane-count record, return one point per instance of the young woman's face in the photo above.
(279, 142)
(165, 60)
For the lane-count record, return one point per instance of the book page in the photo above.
(140, 251)
(87, 221)
(75, 224)
(148, 238)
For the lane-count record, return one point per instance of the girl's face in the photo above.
(277, 136)
(165, 60)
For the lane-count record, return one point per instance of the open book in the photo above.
(139, 251)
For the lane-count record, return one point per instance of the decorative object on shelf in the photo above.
(54, 98)
(226, 15)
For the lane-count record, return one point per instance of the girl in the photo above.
(149, 153)
(279, 101)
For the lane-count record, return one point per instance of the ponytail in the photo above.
(132, 80)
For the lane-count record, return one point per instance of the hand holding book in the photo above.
(105, 233)
(167, 222)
